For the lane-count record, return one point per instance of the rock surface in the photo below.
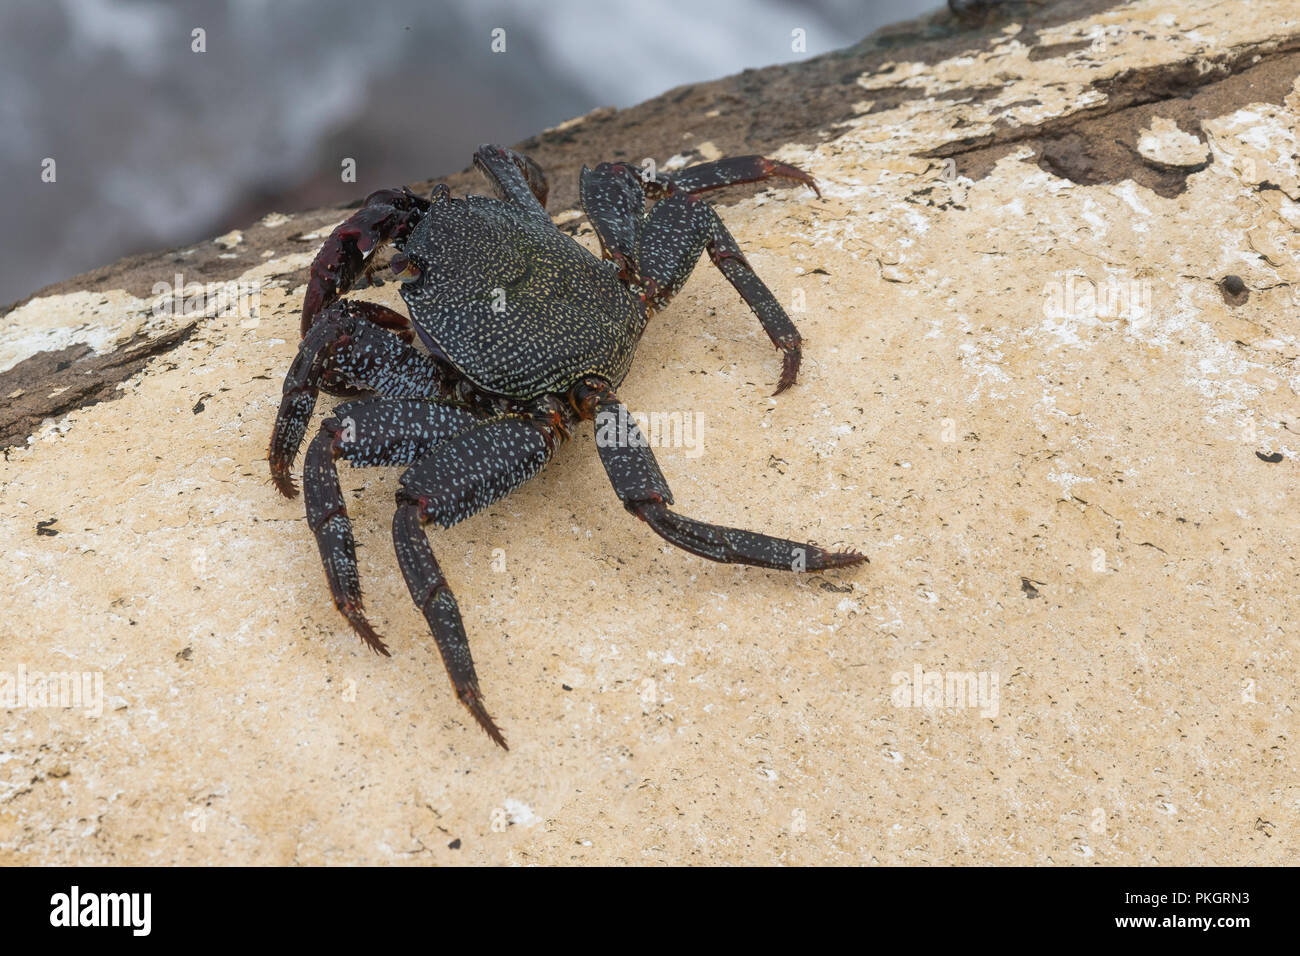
(1027, 395)
(1164, 144)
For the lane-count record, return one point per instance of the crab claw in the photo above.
(386, 215)
(785, 171)
(337, 328)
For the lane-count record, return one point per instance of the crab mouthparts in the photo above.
(403, 268)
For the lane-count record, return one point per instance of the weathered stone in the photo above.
(1024, 396)
(1164, 144)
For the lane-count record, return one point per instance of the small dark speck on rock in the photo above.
(845, 589)
(566, 687)
(45, 528)
(1234, 290)
(1272, 459)
(185, 655)
(1027, 586)
(454, 844)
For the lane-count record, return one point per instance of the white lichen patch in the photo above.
(1068, 481)
(102, 320)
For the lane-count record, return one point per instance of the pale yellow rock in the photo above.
(1044, 439)
(102, 320)
(230, 239)
(708, 151)
(1164, 144)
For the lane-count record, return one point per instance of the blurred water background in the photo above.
(156, 145)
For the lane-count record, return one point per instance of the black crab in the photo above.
(525, 335)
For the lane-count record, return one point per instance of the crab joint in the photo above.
(587, 394)
(403, 268)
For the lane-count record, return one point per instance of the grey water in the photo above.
(168, 122)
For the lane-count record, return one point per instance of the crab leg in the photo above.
(385, 215)
(514, 177)
(455, 480)
(736, 170)
(373, 431)
(731, 262)
(640, 485)
(613, 199)
(347, 349)
(675, 232)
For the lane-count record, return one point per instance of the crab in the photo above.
(525, 336)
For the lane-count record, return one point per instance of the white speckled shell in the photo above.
(517, 306)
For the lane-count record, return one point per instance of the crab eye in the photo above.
(403, 268)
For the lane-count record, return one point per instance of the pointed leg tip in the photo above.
(283, 481)
(369, 636)
(792, 172)
(373, 640)
(474, 704)
(789, 368)
(838, 559)
(491, 729)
